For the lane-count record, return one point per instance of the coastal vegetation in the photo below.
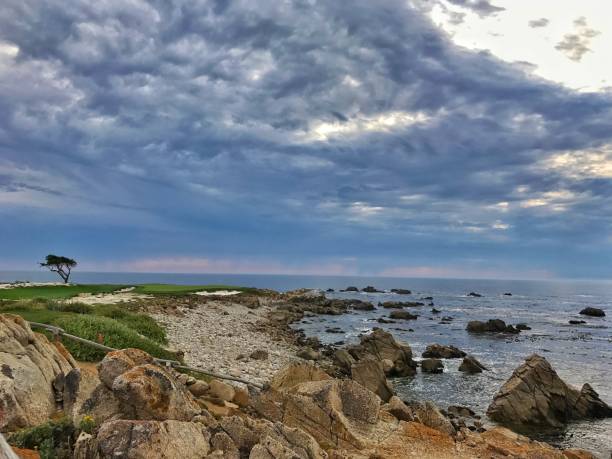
(108, 324)
(19, 292)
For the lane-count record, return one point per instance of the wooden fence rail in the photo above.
(57, 331)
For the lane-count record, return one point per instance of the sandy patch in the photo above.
(219, 293)
(8, 285)
(120, 296)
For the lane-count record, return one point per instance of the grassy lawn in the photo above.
(56, 291)
(171, 289)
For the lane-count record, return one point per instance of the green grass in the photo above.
(112, 333)
(170, 289)
(119, 328)
(56, 291)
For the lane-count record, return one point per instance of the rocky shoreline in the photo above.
(318, 401)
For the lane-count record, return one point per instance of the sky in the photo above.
(434, 138)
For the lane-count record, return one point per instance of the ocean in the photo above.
(579, 353)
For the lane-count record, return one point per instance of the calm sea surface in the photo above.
(579, 353)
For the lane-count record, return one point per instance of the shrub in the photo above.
(78, 308)
(113, 333)
(87, 424)
(53, 439)
(142, 323)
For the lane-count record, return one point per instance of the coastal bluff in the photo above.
(140, 409)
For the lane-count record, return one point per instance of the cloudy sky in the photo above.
(445, 138)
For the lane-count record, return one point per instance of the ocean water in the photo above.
(579, 353)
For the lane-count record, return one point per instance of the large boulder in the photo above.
(536, 396)
(146, 439)
(37, 377)
(151, 392)
(441, 351)
(370, 374)
(116, 363)
(429, 414)
(297, 373)
(381, 345)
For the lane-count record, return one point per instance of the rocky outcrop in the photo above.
(474, 295)
(370, 374)
(471, 365)
(593, 312)
(381, 346)
(490, 326)
(536, 396)
(37, 377)
(337, 413)
(440, 351)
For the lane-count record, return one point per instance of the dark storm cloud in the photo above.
(480, 7)
(251, 128)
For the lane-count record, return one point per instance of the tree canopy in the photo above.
(60, 265)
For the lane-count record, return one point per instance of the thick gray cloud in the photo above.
(306, 129)
(537, 23)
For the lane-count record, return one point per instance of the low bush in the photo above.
(107, 331)
(77, 308)
(142, 323)
(53, 439)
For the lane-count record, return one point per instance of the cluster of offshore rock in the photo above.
(141, 409)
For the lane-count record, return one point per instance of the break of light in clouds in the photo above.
(447, 138)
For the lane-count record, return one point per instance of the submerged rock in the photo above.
(350, 289)
(400, 304)
(440, 351)
(593, 312)
(401, 291)
(432, 366)
(474, 294)
(577, 322)
(490, 326)
(402, 315)
(471, 365)
(536, 396)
